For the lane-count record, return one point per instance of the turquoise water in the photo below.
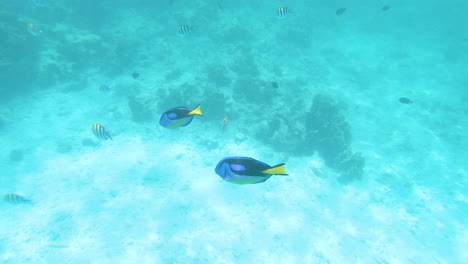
(371, 179)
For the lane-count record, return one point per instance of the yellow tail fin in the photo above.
(196, 111)
(277, 170)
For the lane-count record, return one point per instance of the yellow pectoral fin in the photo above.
(196, 111)
(277, 170)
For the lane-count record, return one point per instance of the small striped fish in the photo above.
(104, 88)
(283, 12)
(15, 199)
(100, 132)
(183, 30)
(34, 30)
(225, 123)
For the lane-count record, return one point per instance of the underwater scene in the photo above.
(219, 131)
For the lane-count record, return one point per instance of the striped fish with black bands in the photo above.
(283, 12)
(183, 30)
(15, 199)
(100, 132)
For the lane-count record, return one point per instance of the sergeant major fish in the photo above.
(245, 170)
(15, 199)
(104, 88)
(283, 12)
(179, 117)
(225, 123)
(183, 30)
(100, 132)
(34, 30)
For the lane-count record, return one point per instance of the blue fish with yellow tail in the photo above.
(244, 170)
(100, 132)
(15, 199)
(179, 117)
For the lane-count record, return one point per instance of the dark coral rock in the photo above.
(351, 166)
(218, 75)
(16, 155)
(187, 95)
(327, 130)
(274, 85)
(214, 106)
(329, 133)
(140, 111)
(245, 65)
(251, 90)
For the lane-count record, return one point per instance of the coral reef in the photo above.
(214, 105)
(328, 133)
(16, 155)
(217, 75)
(245, 65)
(18, 52)
(187, 95)
(141, 111)
(253, 90)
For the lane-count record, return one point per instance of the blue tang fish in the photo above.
(179, 117)
(244, 170)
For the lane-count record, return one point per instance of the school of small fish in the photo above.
(237, 170)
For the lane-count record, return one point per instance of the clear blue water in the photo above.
(371, 179)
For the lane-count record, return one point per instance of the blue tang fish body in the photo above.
(178, 117)
(244, 170)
